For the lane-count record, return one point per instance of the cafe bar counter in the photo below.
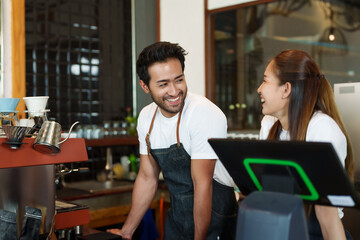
(109, 202)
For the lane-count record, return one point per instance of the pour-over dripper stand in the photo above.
(39, 117)
(14, 145)
(37, 113)
(7, 119)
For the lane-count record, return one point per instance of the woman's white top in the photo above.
(321, 128)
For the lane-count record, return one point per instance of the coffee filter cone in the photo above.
(8, 104)
(36, 104)
(15, 134)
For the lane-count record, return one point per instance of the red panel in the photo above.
(73, 150)
(72, 218)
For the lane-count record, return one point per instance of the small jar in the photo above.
(115, 129)
(106, 129)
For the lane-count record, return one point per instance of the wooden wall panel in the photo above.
(18, 52)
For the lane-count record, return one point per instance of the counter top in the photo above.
(92, 189)
(112, 141)
(109, 202)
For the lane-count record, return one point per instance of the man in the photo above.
(173, 133)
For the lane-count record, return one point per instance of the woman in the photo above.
(298, 104)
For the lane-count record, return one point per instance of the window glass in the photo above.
(78, 52)
(245, 39)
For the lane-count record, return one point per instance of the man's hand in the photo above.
(119, 232)
(143, 193)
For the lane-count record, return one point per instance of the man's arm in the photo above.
(145, 187)
(202, 171)
(330, 223)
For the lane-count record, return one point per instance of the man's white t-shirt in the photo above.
(321, 128)
(200, 120)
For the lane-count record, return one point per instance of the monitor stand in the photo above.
(274, 213)
(273, 216)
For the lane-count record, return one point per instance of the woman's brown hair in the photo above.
(310, 92)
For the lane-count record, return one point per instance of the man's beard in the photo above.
(162, 104)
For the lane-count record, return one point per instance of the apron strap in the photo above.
(177, 128)
(147, 138)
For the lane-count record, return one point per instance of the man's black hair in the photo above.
(158, 52)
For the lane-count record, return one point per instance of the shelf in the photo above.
(73, 150)
(105, 142)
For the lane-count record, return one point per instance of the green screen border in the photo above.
(314, 195)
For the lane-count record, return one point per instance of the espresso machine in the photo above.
(21, 187)
(27, 177)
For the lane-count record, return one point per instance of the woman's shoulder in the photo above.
(321, 119)
(323, 125)
(268, 121)
(323, 128)
(266, 124)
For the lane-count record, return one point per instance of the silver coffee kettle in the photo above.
(49, 136)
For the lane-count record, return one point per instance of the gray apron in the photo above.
(175, 164)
